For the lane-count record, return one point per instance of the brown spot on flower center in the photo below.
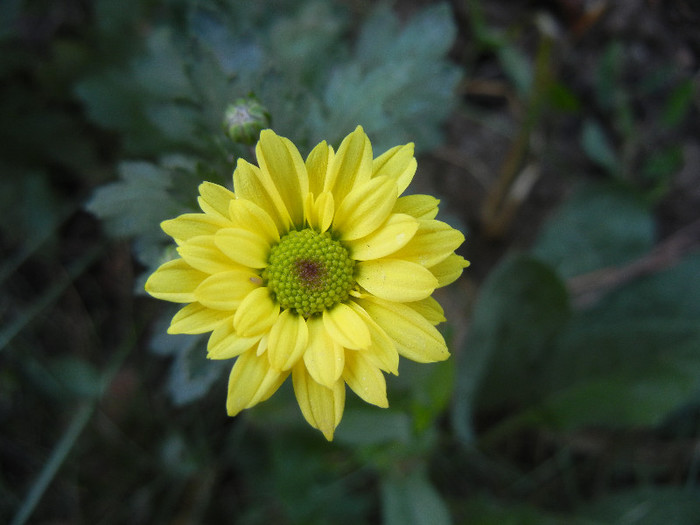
(310, 273)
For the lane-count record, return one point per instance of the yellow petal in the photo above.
(202, 254)
(351, 166)
(346, 327)
(365, 379)
(174, 281)
(248, 215)
(214, 199)
(192, 225)
(279, 158)
(396, 231)
(415, 337)
(251, 381)
(396, 280)
(322, 407)
(319, 212)
(418, 206)
(365, 208)
(196, 319)
(256, 314)
(243, 246)
(252, 184)
(433, 242)
(449, 270)
(225, 343)
(287, 341)
(397, 163)
(317, 163)
(430, 309)
(382, 352)
(324, 358)
(226, 290)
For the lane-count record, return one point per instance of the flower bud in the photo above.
(245, 119)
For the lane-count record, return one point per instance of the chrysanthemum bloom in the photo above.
(318, 269)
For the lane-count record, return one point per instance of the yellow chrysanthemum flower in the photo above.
(318, 269)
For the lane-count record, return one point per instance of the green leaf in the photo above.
(410, 499)
(192, 374)
(647, 506)
(597, 145)
(400, 91)
(679, 103)
(632, 358)
(599, 226)
(521, 308)
(137, 203)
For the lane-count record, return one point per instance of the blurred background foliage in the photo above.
(561, 136)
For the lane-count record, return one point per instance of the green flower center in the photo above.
(309, 272)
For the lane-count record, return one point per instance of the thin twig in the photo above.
(590, 287)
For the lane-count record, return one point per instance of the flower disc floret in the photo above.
(309, 272)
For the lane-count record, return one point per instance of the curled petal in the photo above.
(396, 280)
(196, 319)
(324, 357)
(322, 407)
(365, 208)
(415, 337)
(449, 270)
(382, 352)
(282, 165)
(397, 163)
(319, 212)
(243, 246)
(202, 254)
(226, 290)
(418, 206)
(365, 379)
(317, 164)
(174, 281)
(251, 381)
(214, 199)
(248, 215)
(396, 231)
(225, 343)
(192, 225)
(287, 341)
(256, 314)
(252, 184)
(346, 327)
(351, 166)
(433, 242)
(430, 309)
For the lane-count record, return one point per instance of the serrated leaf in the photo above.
(598, 226)
(411, 499)
(399, 95)
(137, 203)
